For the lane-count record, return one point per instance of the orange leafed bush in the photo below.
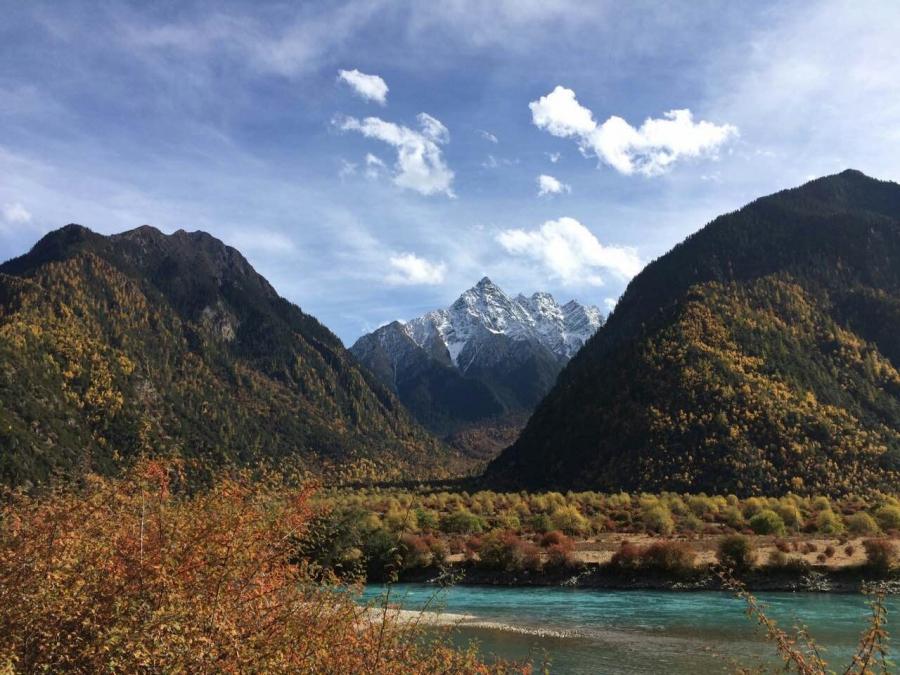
(667, 557)
(134, 575)
(560, 550)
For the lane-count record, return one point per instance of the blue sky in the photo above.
(386, 191)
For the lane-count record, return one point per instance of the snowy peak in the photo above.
(485, 305)
(480, 365)
(486, 308)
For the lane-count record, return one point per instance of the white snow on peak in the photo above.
(485, 307)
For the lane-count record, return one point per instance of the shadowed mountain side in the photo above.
(758, 356)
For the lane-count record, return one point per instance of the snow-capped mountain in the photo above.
(488, 356)
(485, 307)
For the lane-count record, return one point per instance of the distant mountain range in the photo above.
(759, 356)
(141, 342)
(473, 372)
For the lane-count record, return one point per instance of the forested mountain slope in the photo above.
(759, 355)
(146, 342)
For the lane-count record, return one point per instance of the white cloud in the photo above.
(370, 87)
(488, 136)
(433, 129)
(374, 166)
(815, 106)
(420, 164)
(610, 303)
(570, 252)
(409, 269)
(553, 156)
(650, 150)
(561, 114)
(16, 214)
(492, 162)
(548, 185)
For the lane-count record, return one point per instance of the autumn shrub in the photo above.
(415, 551)
(627, 557)
(505, 551)
(767, 521)
(540, 522)
(790, 514)
(828, 522)
(888, 517)
(508, 521)
(702, 506)
(440, 551)
(382, 555)
(735, 551)
(473, 545)
(427, 519)
(861, 523)
(401, 521)
(561, 557)
(656, 518)
(671, 558)
(555, 537)
(880, 554)
(570, 520)
(560, 550)
(692, 523)
(676, 505)
(333, 541)
(462, 521)
(821, 503)
(733, 517)
(134, 575)
(752, 506)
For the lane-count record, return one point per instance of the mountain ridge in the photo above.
(758, 355)
(146, 342)
(480, 364)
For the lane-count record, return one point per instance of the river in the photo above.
(596, 631)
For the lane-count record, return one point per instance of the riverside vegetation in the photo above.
(256, 573)
(377, 533)
(138, 575)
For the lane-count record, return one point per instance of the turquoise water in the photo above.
(596, 631)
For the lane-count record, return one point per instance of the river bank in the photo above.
(601, 576)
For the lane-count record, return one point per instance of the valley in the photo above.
(389, 337)
(731, 428)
